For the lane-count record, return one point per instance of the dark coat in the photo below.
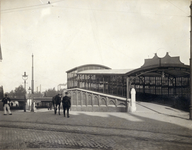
(57, 99)
(6, 100)
(66, 101)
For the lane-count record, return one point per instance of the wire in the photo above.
(120, 11)
(119, 51)
(41, 1)
(29, 7)
(95, 35)
(53, 6)
(12, 9)
(176, 6)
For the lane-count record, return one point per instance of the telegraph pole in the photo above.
(32, 81)
(190, 115)
(0, 37)
(32, 88)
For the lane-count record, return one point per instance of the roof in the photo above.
(167, 60)
(156, 67)
(106, 71)
(167, 65)
(174, 71)
(87, 65)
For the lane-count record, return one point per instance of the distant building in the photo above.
(72, 80)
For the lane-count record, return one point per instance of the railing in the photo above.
(85, 100)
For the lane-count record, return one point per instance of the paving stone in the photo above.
(144, 129)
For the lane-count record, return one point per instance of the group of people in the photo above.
(66, 101)
(56, 101)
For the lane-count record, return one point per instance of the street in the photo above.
(152, 127)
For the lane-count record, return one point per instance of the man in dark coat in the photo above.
(6, 105)
(57, 102)
(66, 104)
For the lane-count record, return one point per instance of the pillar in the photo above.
(107, 99)
(86, 99)
(133, 100)
(77, 97)
(92, 99)
(99, 100)
(128, 96)
(81, 96)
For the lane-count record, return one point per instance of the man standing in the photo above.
(57, 103)
(6, 105)
(66, 104)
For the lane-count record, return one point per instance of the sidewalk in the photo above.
(151, 127)
(144, 110)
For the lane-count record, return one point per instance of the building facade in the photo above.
(72, 81)
(165, 76)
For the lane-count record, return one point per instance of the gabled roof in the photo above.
(169, 66)
(165, 61)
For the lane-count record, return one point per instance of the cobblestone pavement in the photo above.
(152, 127)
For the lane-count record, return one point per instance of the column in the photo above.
(133, 100)
(128, 96)
(77, 97)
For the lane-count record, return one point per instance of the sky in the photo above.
(65, 34)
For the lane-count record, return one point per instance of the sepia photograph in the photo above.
(95, 74)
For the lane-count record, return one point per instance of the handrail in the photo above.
(102, 94)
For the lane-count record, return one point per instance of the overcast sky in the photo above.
(65, 34)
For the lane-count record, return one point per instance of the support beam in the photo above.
(190, 116)
(128, 88)
(128, 95)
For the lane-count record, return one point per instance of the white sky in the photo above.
(68, 33)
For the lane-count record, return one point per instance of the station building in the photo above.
(157, 77)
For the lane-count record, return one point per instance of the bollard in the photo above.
(133, 101)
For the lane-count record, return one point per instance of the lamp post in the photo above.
(25, 77)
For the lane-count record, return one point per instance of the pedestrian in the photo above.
(6, 105)
(66, 104)
(57, 102)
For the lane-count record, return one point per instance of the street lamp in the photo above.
(25, 77)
